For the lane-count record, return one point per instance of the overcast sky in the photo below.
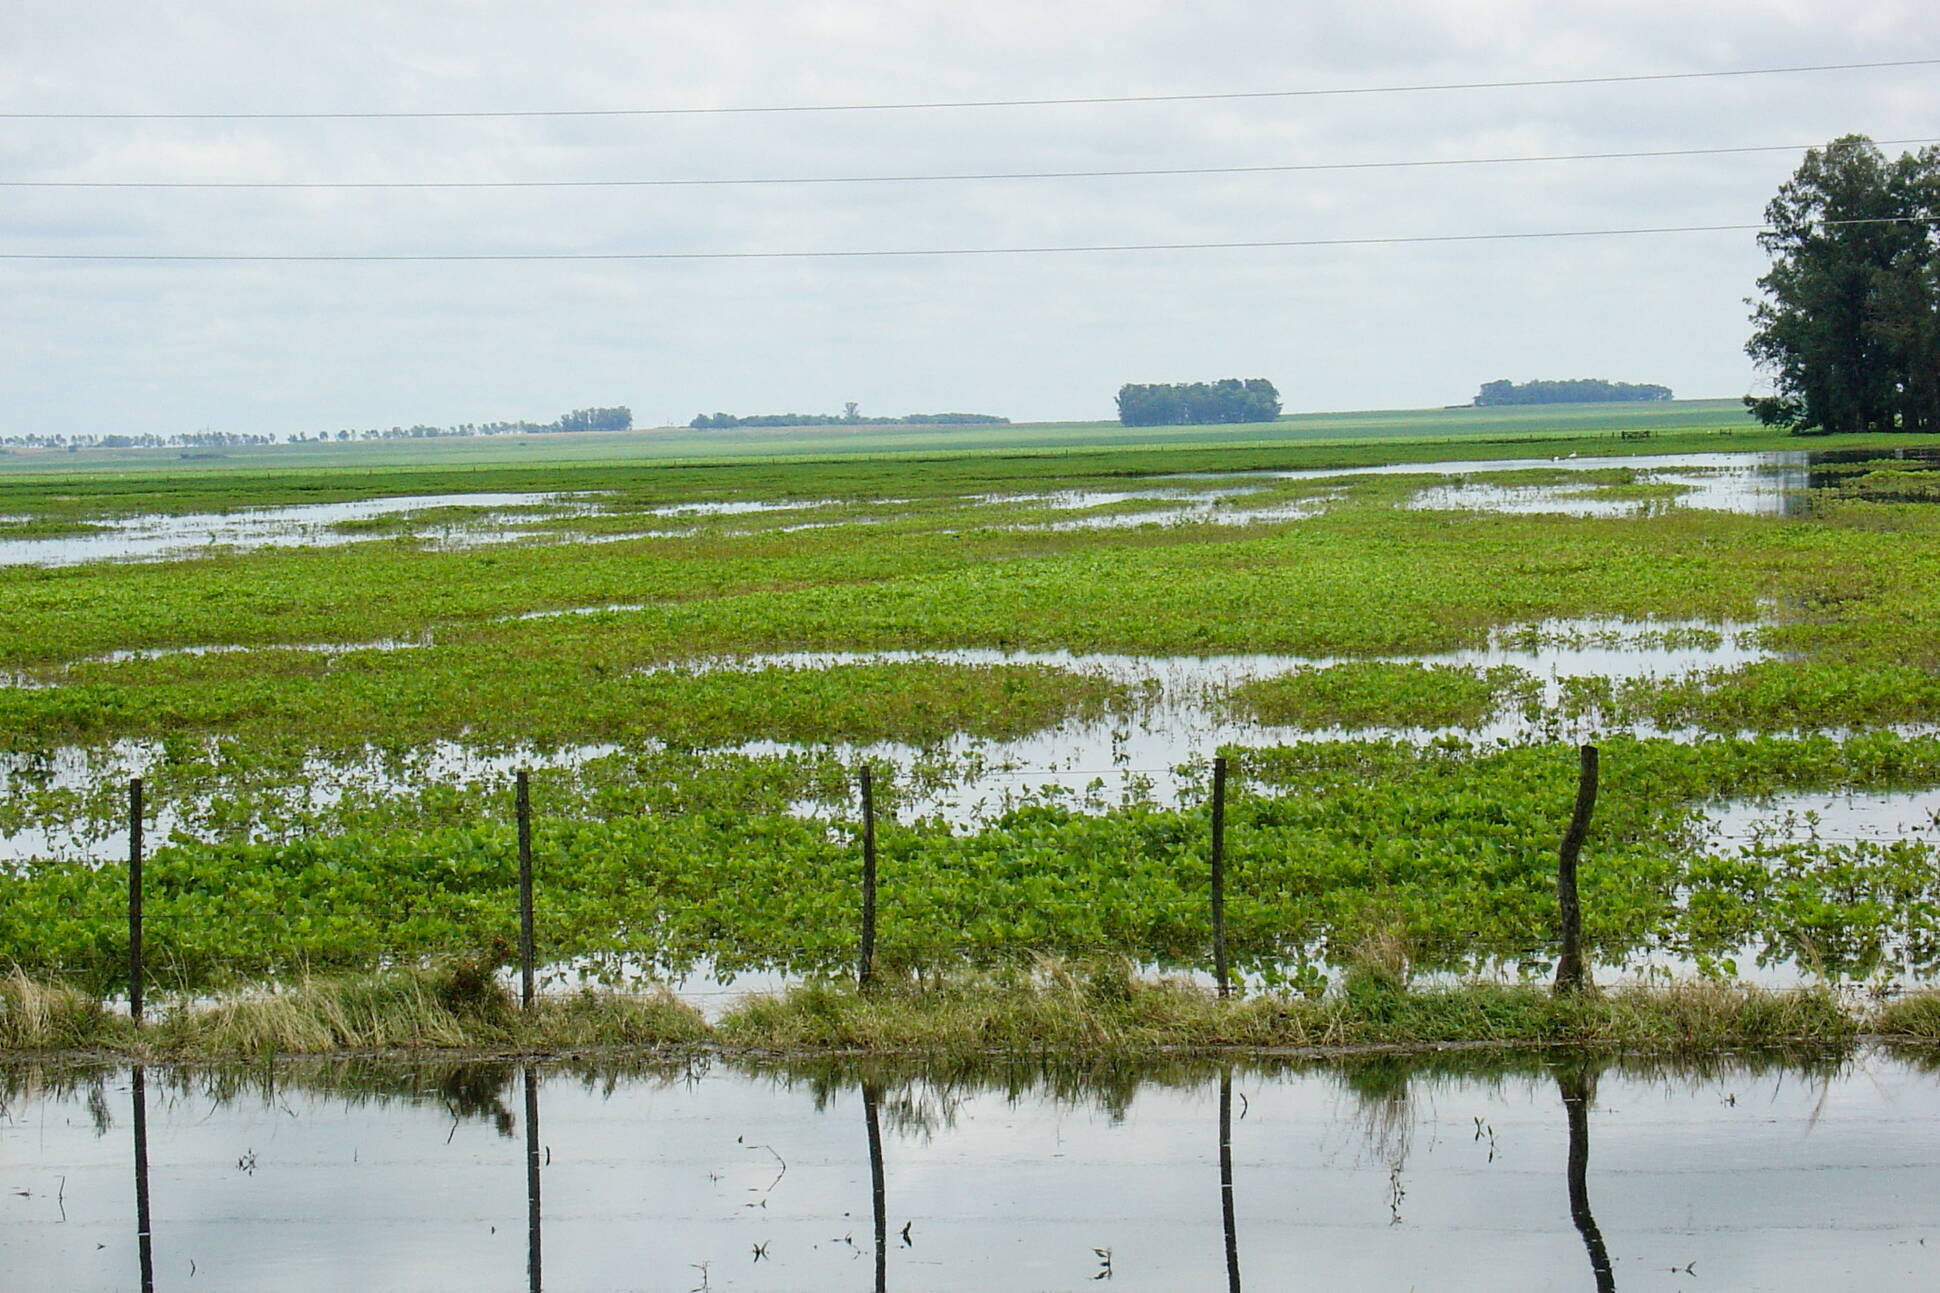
(167, 348)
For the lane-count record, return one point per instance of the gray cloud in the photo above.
(310, 347)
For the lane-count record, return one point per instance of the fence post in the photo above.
(1571, 976)
(525, 890)
(1219, 874)
(866, 966)
(134, 900)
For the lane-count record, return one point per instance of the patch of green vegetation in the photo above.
(1893, 484)
(1767, 696)
(426, 518)
(1384, 694)
(602, 693)
(43, 527)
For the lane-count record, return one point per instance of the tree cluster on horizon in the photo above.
(851, 416)
(1578, 390)
(1196, 403)
(618, 418)
(1849, 319)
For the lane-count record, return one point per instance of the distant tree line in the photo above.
(1194, 403)
(1849, 321)
(851, 417)
(613, 419)
(619, 418)
(1581, 390)
(187, 440)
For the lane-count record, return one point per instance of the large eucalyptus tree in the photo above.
(1849, 320)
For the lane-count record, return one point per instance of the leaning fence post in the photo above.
(866, 965)
(1571, 976)
(525, 890)
(134, 900)
(1219, 874)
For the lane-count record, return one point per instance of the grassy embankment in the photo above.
(1096, 1010)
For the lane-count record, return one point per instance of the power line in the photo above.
(884, 253)
(932, 178)
(1221, 96)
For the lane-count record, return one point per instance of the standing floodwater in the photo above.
(1559, 1171)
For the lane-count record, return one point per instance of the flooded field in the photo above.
(1178, 717)
(479, 518)
(1776, 483)
(1038, 662)
(1497, 1172)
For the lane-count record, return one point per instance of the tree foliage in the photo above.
(1581, 390)
(1849, 321)
(1193, 403)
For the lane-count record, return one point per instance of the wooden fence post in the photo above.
(1219, 874)
(525, 890)
(134, 900)
(866, 966)
(1571, 976)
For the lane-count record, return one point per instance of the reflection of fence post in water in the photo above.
(866, 965)
(1226, 1178)
(871, 1098)
(143, 1229)
(134, 902)
(1575, 1087)
(532, 1179)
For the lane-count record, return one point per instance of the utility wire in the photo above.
(924, 179)
(1222, 96)
(881, 253)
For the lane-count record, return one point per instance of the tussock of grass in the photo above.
(590, 1018)
(460, 1006)
(1077, 1010)
(1094, 1009)
(43, 1017)
(1914, 1017)
(397, 1009)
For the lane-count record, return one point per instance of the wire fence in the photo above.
(849, 913)
(1197, 928)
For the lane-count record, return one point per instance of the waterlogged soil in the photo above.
(1153, 748)
(1768, 484)
(1158, 749)
(162, 538)
(1562, 1171)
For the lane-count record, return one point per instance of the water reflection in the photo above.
(532, 1180)
(144, 1227)
(1577, 1085)
(1226, 1178)
(871, 1104)
(1802, 1170)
